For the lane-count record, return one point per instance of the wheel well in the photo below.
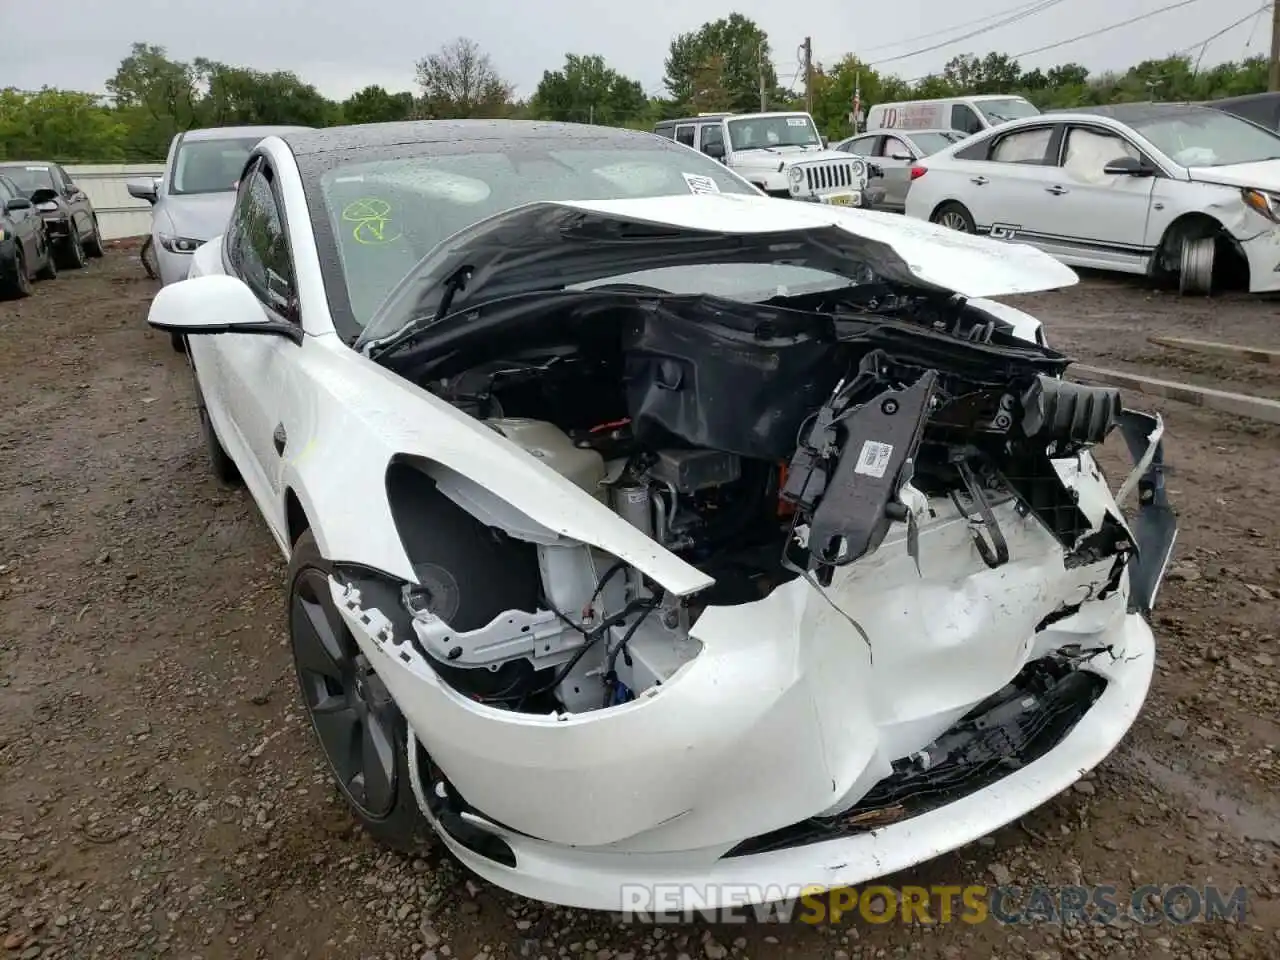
(1195, 226)
(295, 517)
(947, 203)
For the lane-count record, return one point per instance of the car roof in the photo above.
(1130, 113)
(376, 137)
(239, 133)
(27, 163)
(1242, 99)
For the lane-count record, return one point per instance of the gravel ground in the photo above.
(160, 793)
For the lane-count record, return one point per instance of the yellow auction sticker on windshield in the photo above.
(372, 217)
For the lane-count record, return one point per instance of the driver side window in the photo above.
(711, 134)
(257, 245)
(965, 118)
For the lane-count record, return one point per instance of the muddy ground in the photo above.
(160, 793)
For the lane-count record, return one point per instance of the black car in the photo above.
(25, 249)
(73, 226)
(1261, 108)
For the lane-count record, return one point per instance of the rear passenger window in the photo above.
(685, 135)
(1024, 146)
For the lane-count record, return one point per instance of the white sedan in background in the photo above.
(1149, 188)
(896, 152)
(636, 537)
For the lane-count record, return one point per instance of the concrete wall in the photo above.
(119, 215)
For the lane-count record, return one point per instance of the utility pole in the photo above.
(1273, 81)
(808, 73)
(764, 96)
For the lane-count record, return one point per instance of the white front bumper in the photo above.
(699, 880)
(785, 714)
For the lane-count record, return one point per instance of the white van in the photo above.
(967, 114)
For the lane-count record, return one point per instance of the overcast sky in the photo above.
(341, 45)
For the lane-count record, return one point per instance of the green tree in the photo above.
(459, 80)
(240, 95)
(374, 104)
(59, 125)
(587, 90)
(721, 57)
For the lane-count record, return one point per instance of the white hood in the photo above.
(1261, 175)
(550, 244)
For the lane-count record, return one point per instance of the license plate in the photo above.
(843, 199)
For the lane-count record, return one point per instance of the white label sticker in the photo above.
(874, 458)
(797, 122)
(700, 184)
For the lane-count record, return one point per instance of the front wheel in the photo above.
(954, 216)
(93, 246)
(222, 466)
(71, 252)
(361, 730)
(18, 286)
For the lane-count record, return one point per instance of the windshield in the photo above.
(930, 143)
(29, 178)
(210, 166)
(1209, 138)
(386, 215)
(789, 130)
(1014, 108)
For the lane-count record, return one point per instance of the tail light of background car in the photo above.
(918, 171)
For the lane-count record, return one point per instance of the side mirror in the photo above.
(1128, 167)
(73, 190)
(214, 304)
(18, 203)
(874, 170)
(143, 189)
(714, 150)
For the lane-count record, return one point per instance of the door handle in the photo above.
(1057, 191)
(279, 438)
(980, 181)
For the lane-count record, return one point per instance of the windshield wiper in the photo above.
(453, 283)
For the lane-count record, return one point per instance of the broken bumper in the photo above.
(713, 877)
(776, 757)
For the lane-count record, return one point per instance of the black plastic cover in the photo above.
(739, 378)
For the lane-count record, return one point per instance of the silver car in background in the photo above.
(895, 152)
(193, 199)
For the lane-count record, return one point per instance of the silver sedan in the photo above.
(894, 152)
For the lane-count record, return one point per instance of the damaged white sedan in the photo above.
(644, 530)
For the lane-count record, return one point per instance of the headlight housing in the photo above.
(1267, 204)
(176, 244)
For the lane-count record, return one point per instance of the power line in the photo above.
(1014, 18)
(958, 26)
(1204, 44)
(1102, 30)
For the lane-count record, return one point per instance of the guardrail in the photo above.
(119, 215)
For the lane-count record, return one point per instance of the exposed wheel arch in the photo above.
(1224, 265)
(296, 520)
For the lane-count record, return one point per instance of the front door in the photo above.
(1011, 199)
(1100, 219)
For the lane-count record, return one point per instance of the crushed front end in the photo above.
(925, 612)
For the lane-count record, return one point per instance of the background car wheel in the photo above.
(93, 246)
(223, 467)
(359, 726)
(18, 286)
(178, 342)
(49, 271)
(70, 253)
(956, 217)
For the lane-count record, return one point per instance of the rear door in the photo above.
(77, 201)
(1006, 181)
(895, 156)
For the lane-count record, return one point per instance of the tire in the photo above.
(220, 464)
(93, 246)
(50, 269)
(178, 342)
(18, 287)
(954, 216)
(359, 727)
(70, 252)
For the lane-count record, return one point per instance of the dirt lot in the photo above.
(160, 794)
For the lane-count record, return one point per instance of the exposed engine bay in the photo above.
(760, 442)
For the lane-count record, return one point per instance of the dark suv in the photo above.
(67, 212)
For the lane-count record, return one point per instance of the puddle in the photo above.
(1248, 820)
